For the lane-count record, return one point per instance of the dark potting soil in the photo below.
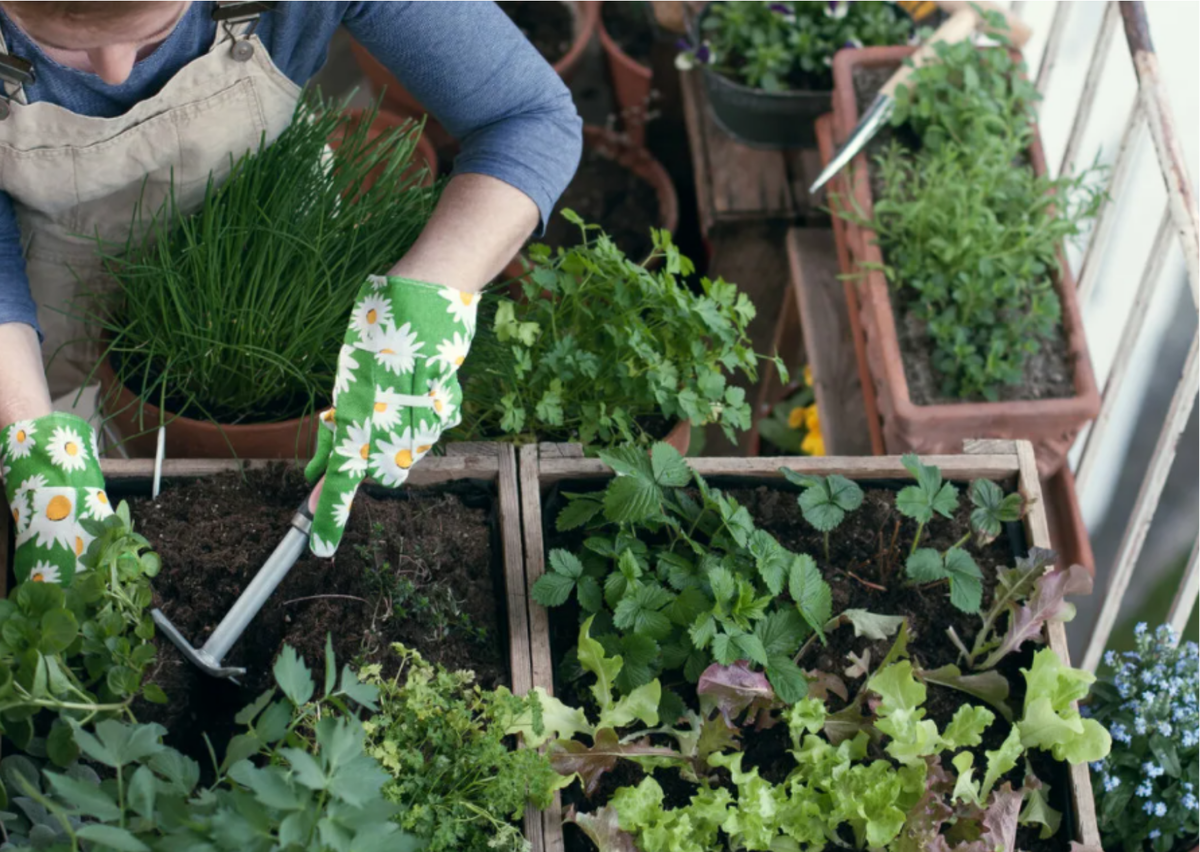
(862, 554)
(550, 27)
(629, 26)
(213, 535)
(1048, 373)
(605, 193)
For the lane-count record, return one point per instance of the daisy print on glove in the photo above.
(345, 371)
(355, 448)
(341, 510)
(45, 572)
(453, 352)
(52, 519)
(371, 314)
(95, 504)
(399, 452)
(443, 403)
(67, 450)
(20, 439)
(388, 404)
(463, 306)
(397, 349)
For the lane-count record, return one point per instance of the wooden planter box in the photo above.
(1051, 424)
(493, 464)
(1011, 462)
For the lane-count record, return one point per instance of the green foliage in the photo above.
(793, 426)
(1052, 721)
(825, 500)
(236, 311)
(77, 654)
(993, 508)
(781, 46)
(297, 779)
(957, 567)
(970, 235)
(442, 739)
(689, 576)
(1146, 698)
(928, 496)
(597, 344)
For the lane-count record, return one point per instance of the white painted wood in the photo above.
(1091, 85)
(1185, 597)
(1130, 336)
(1058, 28)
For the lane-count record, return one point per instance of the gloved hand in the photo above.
(52, 477)
(396, 391)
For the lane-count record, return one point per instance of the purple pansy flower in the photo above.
(837, 9)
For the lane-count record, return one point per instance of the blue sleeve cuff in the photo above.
(16, 302)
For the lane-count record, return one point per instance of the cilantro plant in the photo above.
(1146, 790)
(72, 655)
(782, 46)
(442, 740)
(678, 577)
(599, 345)
(298, 778)
(970, 236)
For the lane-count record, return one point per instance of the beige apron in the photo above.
(72, 176)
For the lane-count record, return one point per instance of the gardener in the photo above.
(103, 105)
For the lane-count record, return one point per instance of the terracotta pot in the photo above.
(399, 99)
(631, 82)
(425, 155)
(1051, 424)
(680, 436)
(137, 424)
(639, 161)
(189, 438)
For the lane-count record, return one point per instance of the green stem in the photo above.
(962, 540)
(917, 538)
(826, 546)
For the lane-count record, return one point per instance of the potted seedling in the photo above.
(231, 342)
(739, 664)
(766, 66)
(598, 349)
(967, 304)
(1146, 789)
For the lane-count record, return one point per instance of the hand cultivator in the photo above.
(210, 655)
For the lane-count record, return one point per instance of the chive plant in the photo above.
(236, 313)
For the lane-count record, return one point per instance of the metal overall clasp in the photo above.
(17, 73)
(240, 20)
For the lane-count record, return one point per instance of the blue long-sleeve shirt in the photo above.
(466, 62)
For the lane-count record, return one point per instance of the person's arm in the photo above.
(521, 135)
(23, 391)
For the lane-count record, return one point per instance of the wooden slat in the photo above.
(870, 467)
(1135, 320)
(1058, 28)
(542, 666)
(1184, 603)
(430, 470)
(1144, 507)
(789, 346)
(733, 181)
(1098, 241)
(825, 318)
(1037, 532)
(1091, 85)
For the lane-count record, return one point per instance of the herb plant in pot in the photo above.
(223, 324)
(766, 66)
(599, 349)
(972, 324)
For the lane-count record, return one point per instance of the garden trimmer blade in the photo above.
(209, 657)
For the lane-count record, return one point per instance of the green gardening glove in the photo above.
(396, 391)
(52, 477)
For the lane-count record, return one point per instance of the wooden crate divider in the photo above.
(998, 460)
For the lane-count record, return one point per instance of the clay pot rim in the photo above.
(644, 165)
(615, 52)
(586, 17)
(1085, 404)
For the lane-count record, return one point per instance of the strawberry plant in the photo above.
(676, 576)
(598, 347)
